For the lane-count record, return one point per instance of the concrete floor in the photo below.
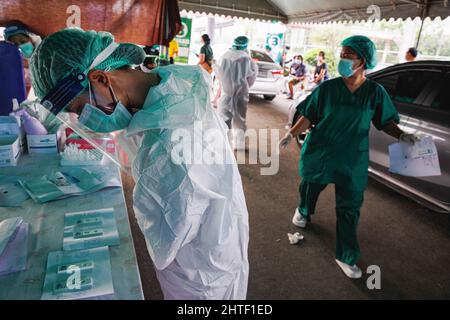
(409, 243)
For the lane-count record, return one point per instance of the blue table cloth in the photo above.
(46, 234)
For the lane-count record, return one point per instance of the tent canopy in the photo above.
(144, 22)
(254, 9)
(291, 11)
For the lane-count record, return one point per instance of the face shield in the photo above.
(98, 123)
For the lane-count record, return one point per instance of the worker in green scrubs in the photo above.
(339, 113)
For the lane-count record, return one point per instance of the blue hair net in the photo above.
(364, 47)
(240, 43)
(72, 51)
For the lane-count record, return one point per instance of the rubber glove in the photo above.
(295, 238)
(286, 140)
(409, 138)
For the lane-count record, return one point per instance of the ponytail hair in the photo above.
(206, 38)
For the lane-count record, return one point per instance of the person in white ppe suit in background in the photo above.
(193, 214)
(236, 72)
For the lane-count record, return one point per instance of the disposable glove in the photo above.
(409, 138)
(286, 140)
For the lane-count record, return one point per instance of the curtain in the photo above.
(144, 22)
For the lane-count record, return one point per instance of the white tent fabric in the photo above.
(253, 9)
(291, 11)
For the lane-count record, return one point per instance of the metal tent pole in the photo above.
(420, 33)
(424, 15)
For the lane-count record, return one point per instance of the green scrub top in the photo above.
(337, 148)
(208, 52)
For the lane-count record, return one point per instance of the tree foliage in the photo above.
(311, 59)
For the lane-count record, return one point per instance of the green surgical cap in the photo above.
(240, 43)
(364, 47)
(73, 51)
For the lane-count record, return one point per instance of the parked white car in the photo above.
(270, 80)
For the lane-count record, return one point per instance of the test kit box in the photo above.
(10, 142)
(10, 150)
(46, 143)
(73, 138)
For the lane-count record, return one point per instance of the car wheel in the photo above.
(269, 97)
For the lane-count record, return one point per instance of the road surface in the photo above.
(410, 244)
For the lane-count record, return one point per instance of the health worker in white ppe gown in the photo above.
(236, 72)
(192, 213)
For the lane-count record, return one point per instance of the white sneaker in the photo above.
(352, 272)
(299, 220)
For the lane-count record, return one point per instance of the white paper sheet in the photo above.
(13, 246)
(78, 274)
(101, 220)
(418, 160)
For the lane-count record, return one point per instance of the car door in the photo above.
(419, 95)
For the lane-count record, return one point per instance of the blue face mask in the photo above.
(27, 49)
(98, 121)
(345, 68)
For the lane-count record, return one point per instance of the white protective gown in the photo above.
(236, 72)
(193, 215)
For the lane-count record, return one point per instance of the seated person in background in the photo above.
(321, 72)
(411, 55)
(294, 64)
(299, 73)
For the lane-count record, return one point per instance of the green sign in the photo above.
(274, 46)
(184, 41)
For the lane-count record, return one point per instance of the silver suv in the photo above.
(421, 92)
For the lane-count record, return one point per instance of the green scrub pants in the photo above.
(348, 204)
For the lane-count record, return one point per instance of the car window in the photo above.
(260, 56)
(407, 86)
(442, 101)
